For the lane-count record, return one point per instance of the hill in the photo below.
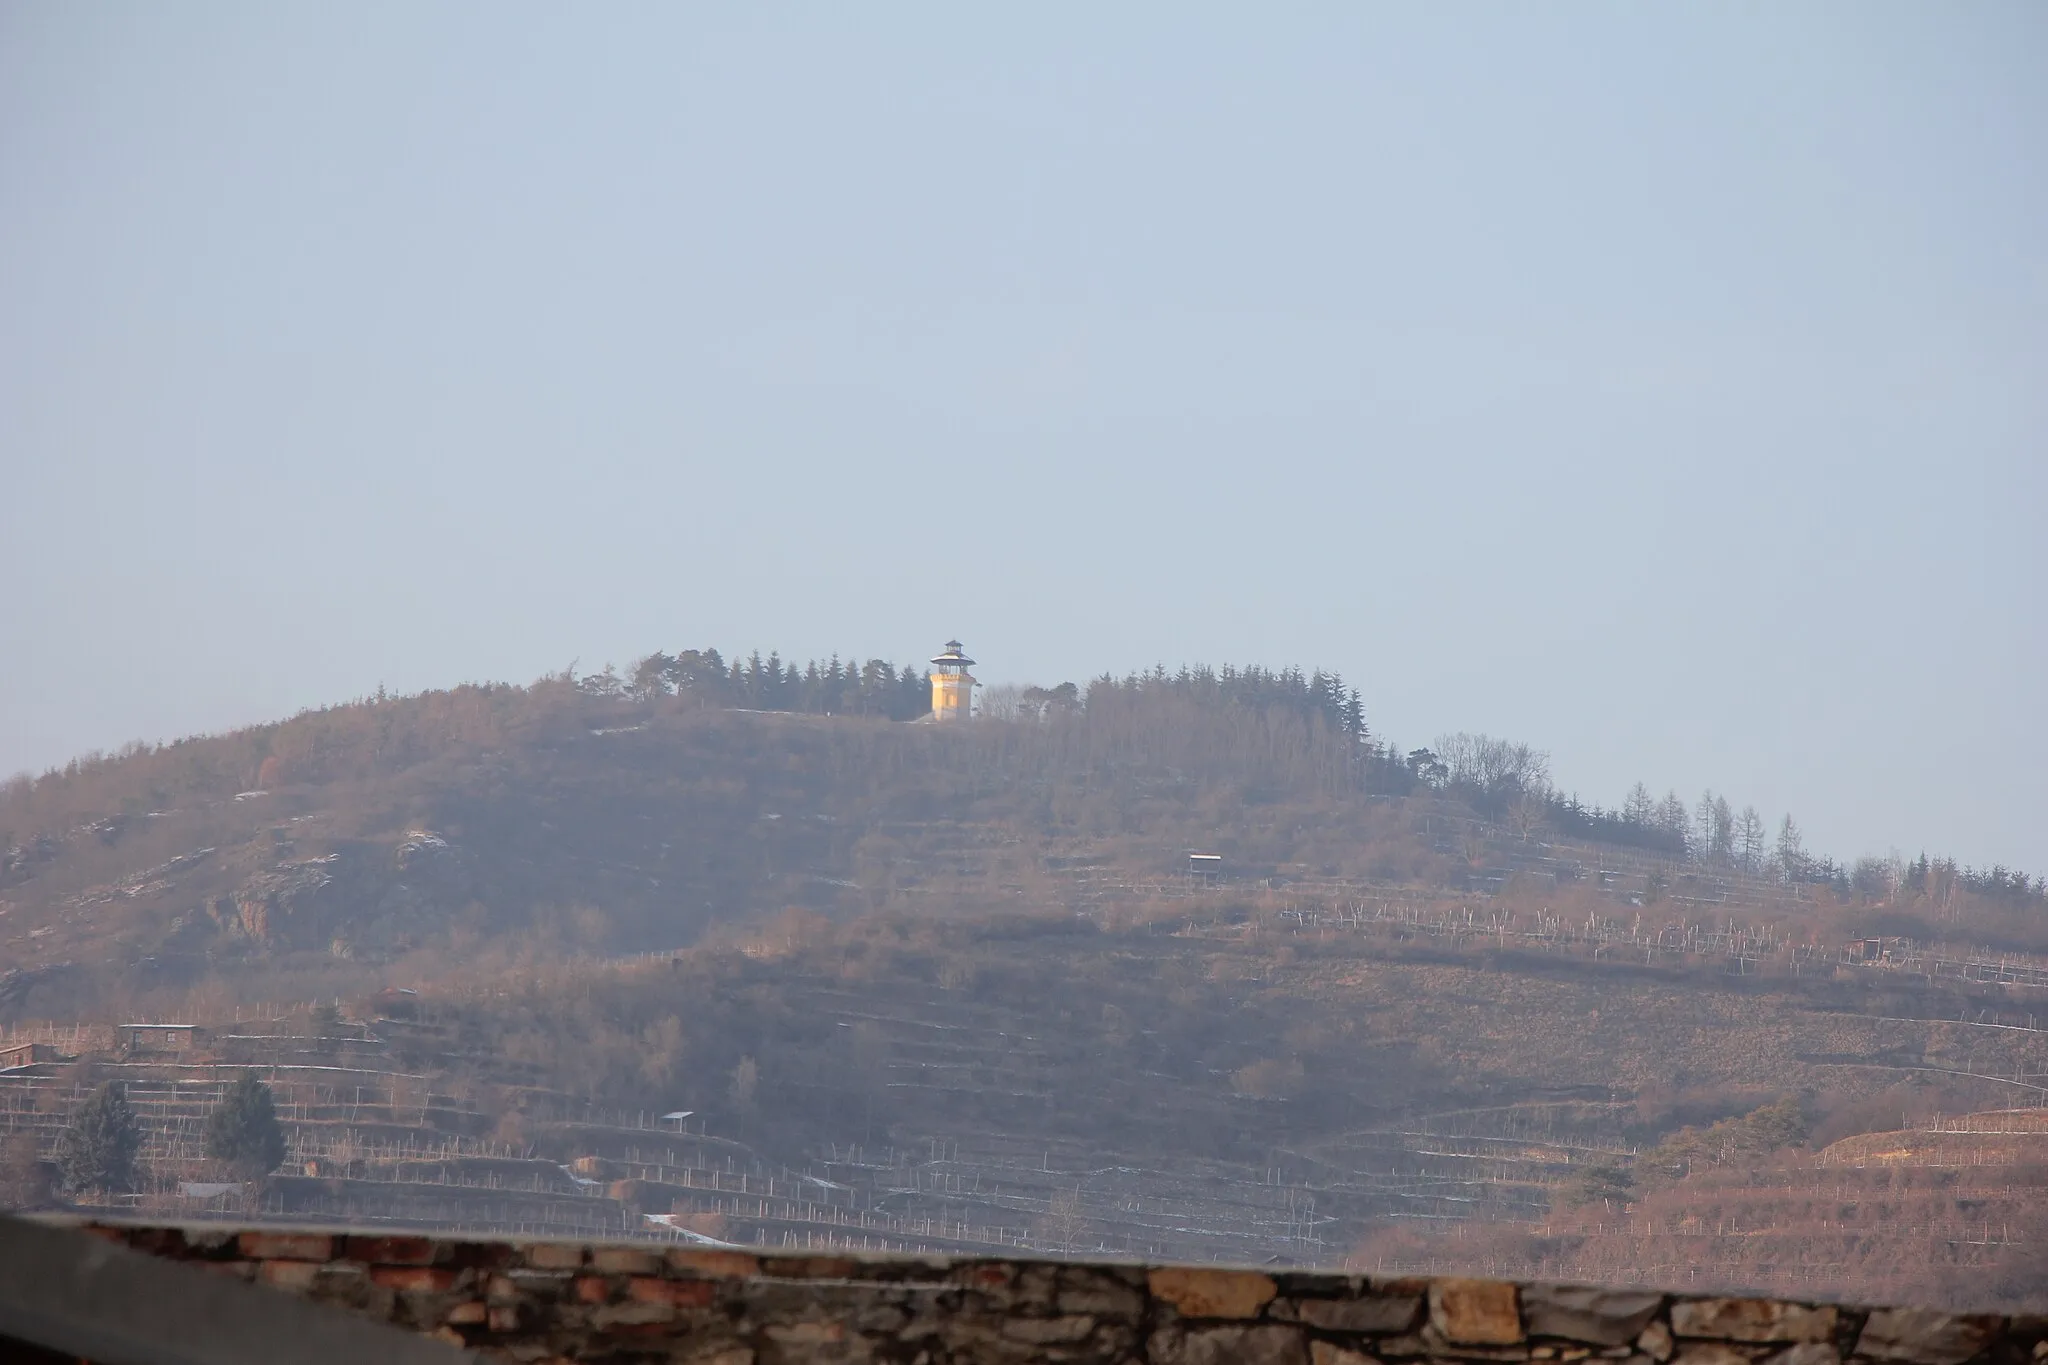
(953, 987)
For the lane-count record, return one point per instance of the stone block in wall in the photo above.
(713, 1265)
(1710, 1353)
(543, 1286)
(1203, 1293)
(1806, 1353)
(413, 1279)
(297, 1276)
(675, 1293)
(1009, 1286)
(718, 1354)
(1600, 1317)
(633, 1313)
(553, 1255)
(1329, 1353)
(1752, 1320)
(1233, 1344)
(811, 1267)
(1431, 1343)
(347, 1283)
(1475, 1312)
(286, 1246)
(1924, 1336)
(1371, 1312)
(1061, 1331)
(625, 1260)
(396, 1250)
(1100, 1293)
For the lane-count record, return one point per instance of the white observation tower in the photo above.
(952, 685)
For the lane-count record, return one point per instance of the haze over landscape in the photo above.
(1495, 722)
(1663, 388)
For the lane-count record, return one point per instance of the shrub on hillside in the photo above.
(1760, 1133)
(242, 1132)
(1269, 1078)
(1607, 1185)
(98, 1151)
(24, 1176)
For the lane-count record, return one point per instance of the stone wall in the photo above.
(554, 1301)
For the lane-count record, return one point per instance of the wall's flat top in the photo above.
(631, 1301)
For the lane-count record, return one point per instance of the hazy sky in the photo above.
(1663, 385)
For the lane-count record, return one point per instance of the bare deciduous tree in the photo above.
(1714, 829)
(661, 1056)
(746, 1077)
(999, 702)
(1064, 1224)
(1527, 814)
(1751, 839)
(1495, 767)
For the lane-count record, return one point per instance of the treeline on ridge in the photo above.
(875, 688)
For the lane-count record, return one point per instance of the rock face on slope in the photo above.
(275, 906)
(362, 902)
(660, 829)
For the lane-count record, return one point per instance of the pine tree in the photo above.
(242, 1132)
(1674, 820)
(1354, 716)
(98, 1150)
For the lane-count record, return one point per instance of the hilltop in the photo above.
(634, 814)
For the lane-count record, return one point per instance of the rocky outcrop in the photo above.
(361, 902)
(558, 1301)
(278, 905)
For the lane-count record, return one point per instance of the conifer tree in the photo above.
(242, 1132)
(98, 1150)
(1792, 859)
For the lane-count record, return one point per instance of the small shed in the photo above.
(1205, 867)
(207, 1189)
(160, 1037)
(395, 1002)
(25, 1054)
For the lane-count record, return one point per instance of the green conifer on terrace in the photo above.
(242, 1132)
(98, 1150)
